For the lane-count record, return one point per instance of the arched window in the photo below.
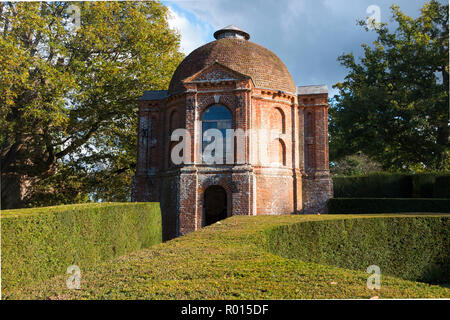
(216, 117)
(309, 125)
(154, 131)
(279, 121)
(309, 141)
(172, 144)
(278, 152)
(174, 121)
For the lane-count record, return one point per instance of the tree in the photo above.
(393, 105)
(355, 164)
(68, 96)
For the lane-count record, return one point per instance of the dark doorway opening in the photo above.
(215, 205)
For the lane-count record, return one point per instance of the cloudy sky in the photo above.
(308, 35)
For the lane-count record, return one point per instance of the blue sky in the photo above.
(308, 35)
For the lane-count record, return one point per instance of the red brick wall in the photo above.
(260, 186)
(274, 193)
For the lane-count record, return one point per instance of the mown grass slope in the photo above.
(224, 261)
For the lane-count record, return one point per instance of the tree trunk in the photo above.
(14, 190)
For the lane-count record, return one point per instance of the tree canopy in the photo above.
(68, 95)
(393, 104)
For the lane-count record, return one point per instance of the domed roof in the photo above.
(233, 50)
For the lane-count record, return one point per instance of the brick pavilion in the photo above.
(232, 83)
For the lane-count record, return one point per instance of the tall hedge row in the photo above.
(412, 248)
(41, 243)
(387, 185)
(386, 205)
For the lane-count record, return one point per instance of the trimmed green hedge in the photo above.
(412, 248)
(386, 205)
(393, 185)
(441, 188)
(41, 243)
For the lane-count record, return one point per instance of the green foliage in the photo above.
(411, 248)
(41, 243)
(355, 164)
(68, 97)
(68, 185)
(227, 260)
(393, 185)
(393, 103)
(441, 187)
(386, 205)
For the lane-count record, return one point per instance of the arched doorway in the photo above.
(215, 205)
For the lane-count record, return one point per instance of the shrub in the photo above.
(379, 185)
(441, 187)
(412, 248)
(393, 185)
(41, 243)
(386, 205)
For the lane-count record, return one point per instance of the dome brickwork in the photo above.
(262, 65)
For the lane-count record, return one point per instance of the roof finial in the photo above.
(231, 31)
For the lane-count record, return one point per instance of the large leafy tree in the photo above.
(68, 95)
(393, 104)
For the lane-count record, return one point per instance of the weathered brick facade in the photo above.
(259, 92)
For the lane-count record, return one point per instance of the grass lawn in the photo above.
(224, 261)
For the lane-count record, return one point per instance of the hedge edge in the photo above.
(40, 243)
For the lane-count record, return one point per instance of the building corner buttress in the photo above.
(317, 185)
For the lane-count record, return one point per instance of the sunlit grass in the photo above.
(225, 261)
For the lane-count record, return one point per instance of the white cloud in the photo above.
(193, 35)
(308, 35)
